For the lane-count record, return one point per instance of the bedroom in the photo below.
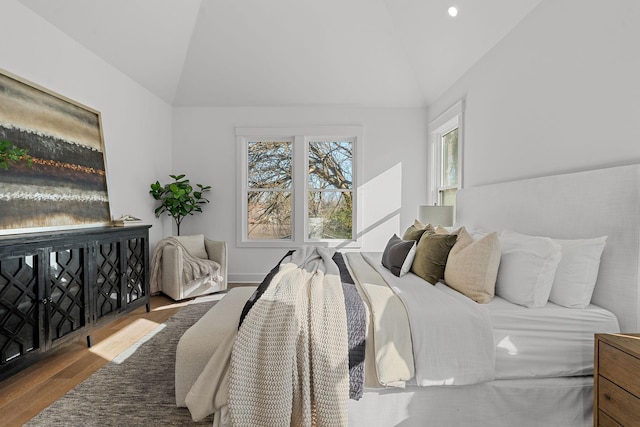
(558, 93)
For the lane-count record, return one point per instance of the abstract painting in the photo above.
(65, 184)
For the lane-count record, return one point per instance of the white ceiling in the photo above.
(372, 53)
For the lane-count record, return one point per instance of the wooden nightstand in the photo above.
(616, 378)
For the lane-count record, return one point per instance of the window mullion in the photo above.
(449, 187)
(300, 177)
(243, 187)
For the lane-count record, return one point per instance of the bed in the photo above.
(544, 355)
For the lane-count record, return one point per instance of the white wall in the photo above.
(136, 124)
(142, 145)
(560, 93)
(204, 148)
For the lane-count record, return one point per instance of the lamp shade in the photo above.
(436, 215)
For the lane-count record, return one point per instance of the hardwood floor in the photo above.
(25, 394)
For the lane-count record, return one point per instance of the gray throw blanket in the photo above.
(356, 328)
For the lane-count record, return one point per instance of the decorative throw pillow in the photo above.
(441, 230)
(432, 252)
(398, 255)
(527, 267)
(416, 230)
(419, 225)
(194, 245)
(472, 266)
(577, 272)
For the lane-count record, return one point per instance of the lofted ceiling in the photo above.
(371, 53)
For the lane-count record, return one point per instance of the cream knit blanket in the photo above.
(289, 363)
(194, 268)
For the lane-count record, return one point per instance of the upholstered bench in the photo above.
(199, 342)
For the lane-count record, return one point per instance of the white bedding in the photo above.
(550, 341)
(451, 334)
(529, 345)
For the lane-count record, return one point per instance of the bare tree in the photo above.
(270, 188)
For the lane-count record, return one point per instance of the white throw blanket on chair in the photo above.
(195, 268)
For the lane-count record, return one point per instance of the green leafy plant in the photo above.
(178, 199)
(9, 153)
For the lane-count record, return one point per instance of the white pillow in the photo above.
(527, 267)
(577, 272)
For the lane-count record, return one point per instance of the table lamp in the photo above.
(436, 215)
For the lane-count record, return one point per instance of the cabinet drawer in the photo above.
(619, 367)
(605, 420)
(619, 404)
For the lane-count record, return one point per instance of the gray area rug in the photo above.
(136, 388)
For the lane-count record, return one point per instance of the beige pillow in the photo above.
(194, 245)
(472, 267)
(431, 256)
(416, 230)
(441, 230)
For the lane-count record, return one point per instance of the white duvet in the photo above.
(451, 335)
(546, 342)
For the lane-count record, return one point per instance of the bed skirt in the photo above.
(544, 402)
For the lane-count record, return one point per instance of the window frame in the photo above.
(248, 189)
(448, 121)
(301, 136)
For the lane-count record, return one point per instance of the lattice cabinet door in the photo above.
(107, 298)
(20, 314)
(136, 269)
(55, 286)
(66, 296)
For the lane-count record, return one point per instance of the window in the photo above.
(298, 186)
(330, 189)
(269, 189)
(446, 156)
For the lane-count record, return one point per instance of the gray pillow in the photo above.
(398, 255)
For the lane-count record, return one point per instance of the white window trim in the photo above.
(300, 137)
(444, 123)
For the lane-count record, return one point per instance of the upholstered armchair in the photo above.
(178, 283)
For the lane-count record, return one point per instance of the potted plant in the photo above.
(178, 199)
(9, 153)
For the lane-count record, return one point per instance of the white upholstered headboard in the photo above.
(570, 206)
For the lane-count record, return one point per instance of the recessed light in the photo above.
(453, 11)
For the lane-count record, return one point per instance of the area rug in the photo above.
(136, 388)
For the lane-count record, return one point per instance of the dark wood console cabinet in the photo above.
(59, 285)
